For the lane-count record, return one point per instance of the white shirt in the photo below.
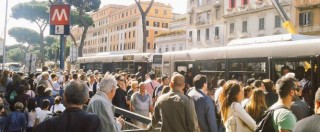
(217, 94)
(42, 114)
(31, 118)
(57, 107)
(56, 85)
(31, 93)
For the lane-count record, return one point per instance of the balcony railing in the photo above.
(311, 29)
(306, 3)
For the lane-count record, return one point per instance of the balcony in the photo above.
(203, 22)
(310, 30)
(306, 3)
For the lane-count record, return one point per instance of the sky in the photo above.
(179, 6)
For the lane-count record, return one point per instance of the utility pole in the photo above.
(5, 36)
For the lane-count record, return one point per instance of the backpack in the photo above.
(266, 121)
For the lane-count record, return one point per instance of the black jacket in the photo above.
(71, 120)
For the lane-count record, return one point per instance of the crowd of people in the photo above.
(84, 102)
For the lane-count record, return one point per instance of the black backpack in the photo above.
(266, 121)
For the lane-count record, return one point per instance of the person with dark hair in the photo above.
(283, 119)
(31, 80)
(166, 89)
(119, 99)
(307, 88)
(31, 115)
(189, 78)
(204, 105)
(92, 85)
(44, 112)
(16, 121)
(176, 110)
(271, 96)
(28, 89)
(75, 77)
(46, 95)
(310, 124)
(300, 108)
(231, 109)
(21, 96)
(285, 70)
(141, 74)
(151, 84)
(164, 82)
(250, 81)
(258, 84)
(73, 119)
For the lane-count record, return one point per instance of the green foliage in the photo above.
(25, 35)
(16, 55)
(32, 11)
(75, 19)
(86, 5)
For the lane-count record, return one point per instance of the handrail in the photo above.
(132, 115)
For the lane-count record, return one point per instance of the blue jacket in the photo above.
(16, 121)
(205, 110)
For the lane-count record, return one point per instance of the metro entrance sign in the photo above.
(59, 19)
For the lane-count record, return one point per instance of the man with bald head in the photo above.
(175, 110)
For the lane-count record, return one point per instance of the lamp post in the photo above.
(5, 36)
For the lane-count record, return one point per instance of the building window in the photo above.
(244, 26)
(164, 12)
(305, 18)
(160, 50)
(134, 24)
(173, 48)
(155, 32)
(216, 31)
(261, 24)
(133, 45)
(198, 35)
(147, 33)
(191, 20)
(165, 25)
(167, 49)
(190, 35)
(181, 48)
(156, 11)
(207, 34)
(129, 25)
(154, 46)
(120, 46)
(125, 35)
(129, 34)
(147, 23)
(134, 34)
(277, 22)
(231, 28)
(149, 45)
(232, 3)
(156, 24)
(125, 46)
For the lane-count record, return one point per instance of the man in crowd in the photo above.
(300, 108)
(283, 119)
(176, 110)
(204, 105)
(119, 99)
(73, 119)
(164, 82)
(141, 103)
(92, 84)
(151, 83)
(101, 105)
(310, 124)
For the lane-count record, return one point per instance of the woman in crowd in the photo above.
(257, 104)
(31, 115)
(134, 88)
(16, 120)
(57, 107)
(29, 91)
(234, 116)
(21, 95)
(247, 93)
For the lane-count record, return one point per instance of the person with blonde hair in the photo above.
(234, 116)
(16, 121)
(134, 88)
(257, 104)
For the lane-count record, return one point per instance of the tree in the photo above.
(25, 36)
(36, 12)
(75, 21)
(144, 19)
(17, 54)
(83, 6)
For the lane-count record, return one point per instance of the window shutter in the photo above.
(230, 4)
(300, 19)
(310, 16)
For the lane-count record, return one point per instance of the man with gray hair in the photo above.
(310, 124)
(73, 119)
(101, 105)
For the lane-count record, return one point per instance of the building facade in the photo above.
(175, 38)
(118, 29)
(254, 18)
(307, 16)
(204, 23)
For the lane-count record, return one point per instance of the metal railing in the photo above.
(129, 127)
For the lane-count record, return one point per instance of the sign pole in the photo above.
(61, 53)
(5, 36)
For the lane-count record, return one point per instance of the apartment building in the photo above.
(204, 23)
(307, 16)
(175, 38)
(118, 29)
(254, 18)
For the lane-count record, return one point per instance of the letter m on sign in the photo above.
(59, 14)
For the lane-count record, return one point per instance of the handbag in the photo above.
(234, 123)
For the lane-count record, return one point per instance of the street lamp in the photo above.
(5, 36)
